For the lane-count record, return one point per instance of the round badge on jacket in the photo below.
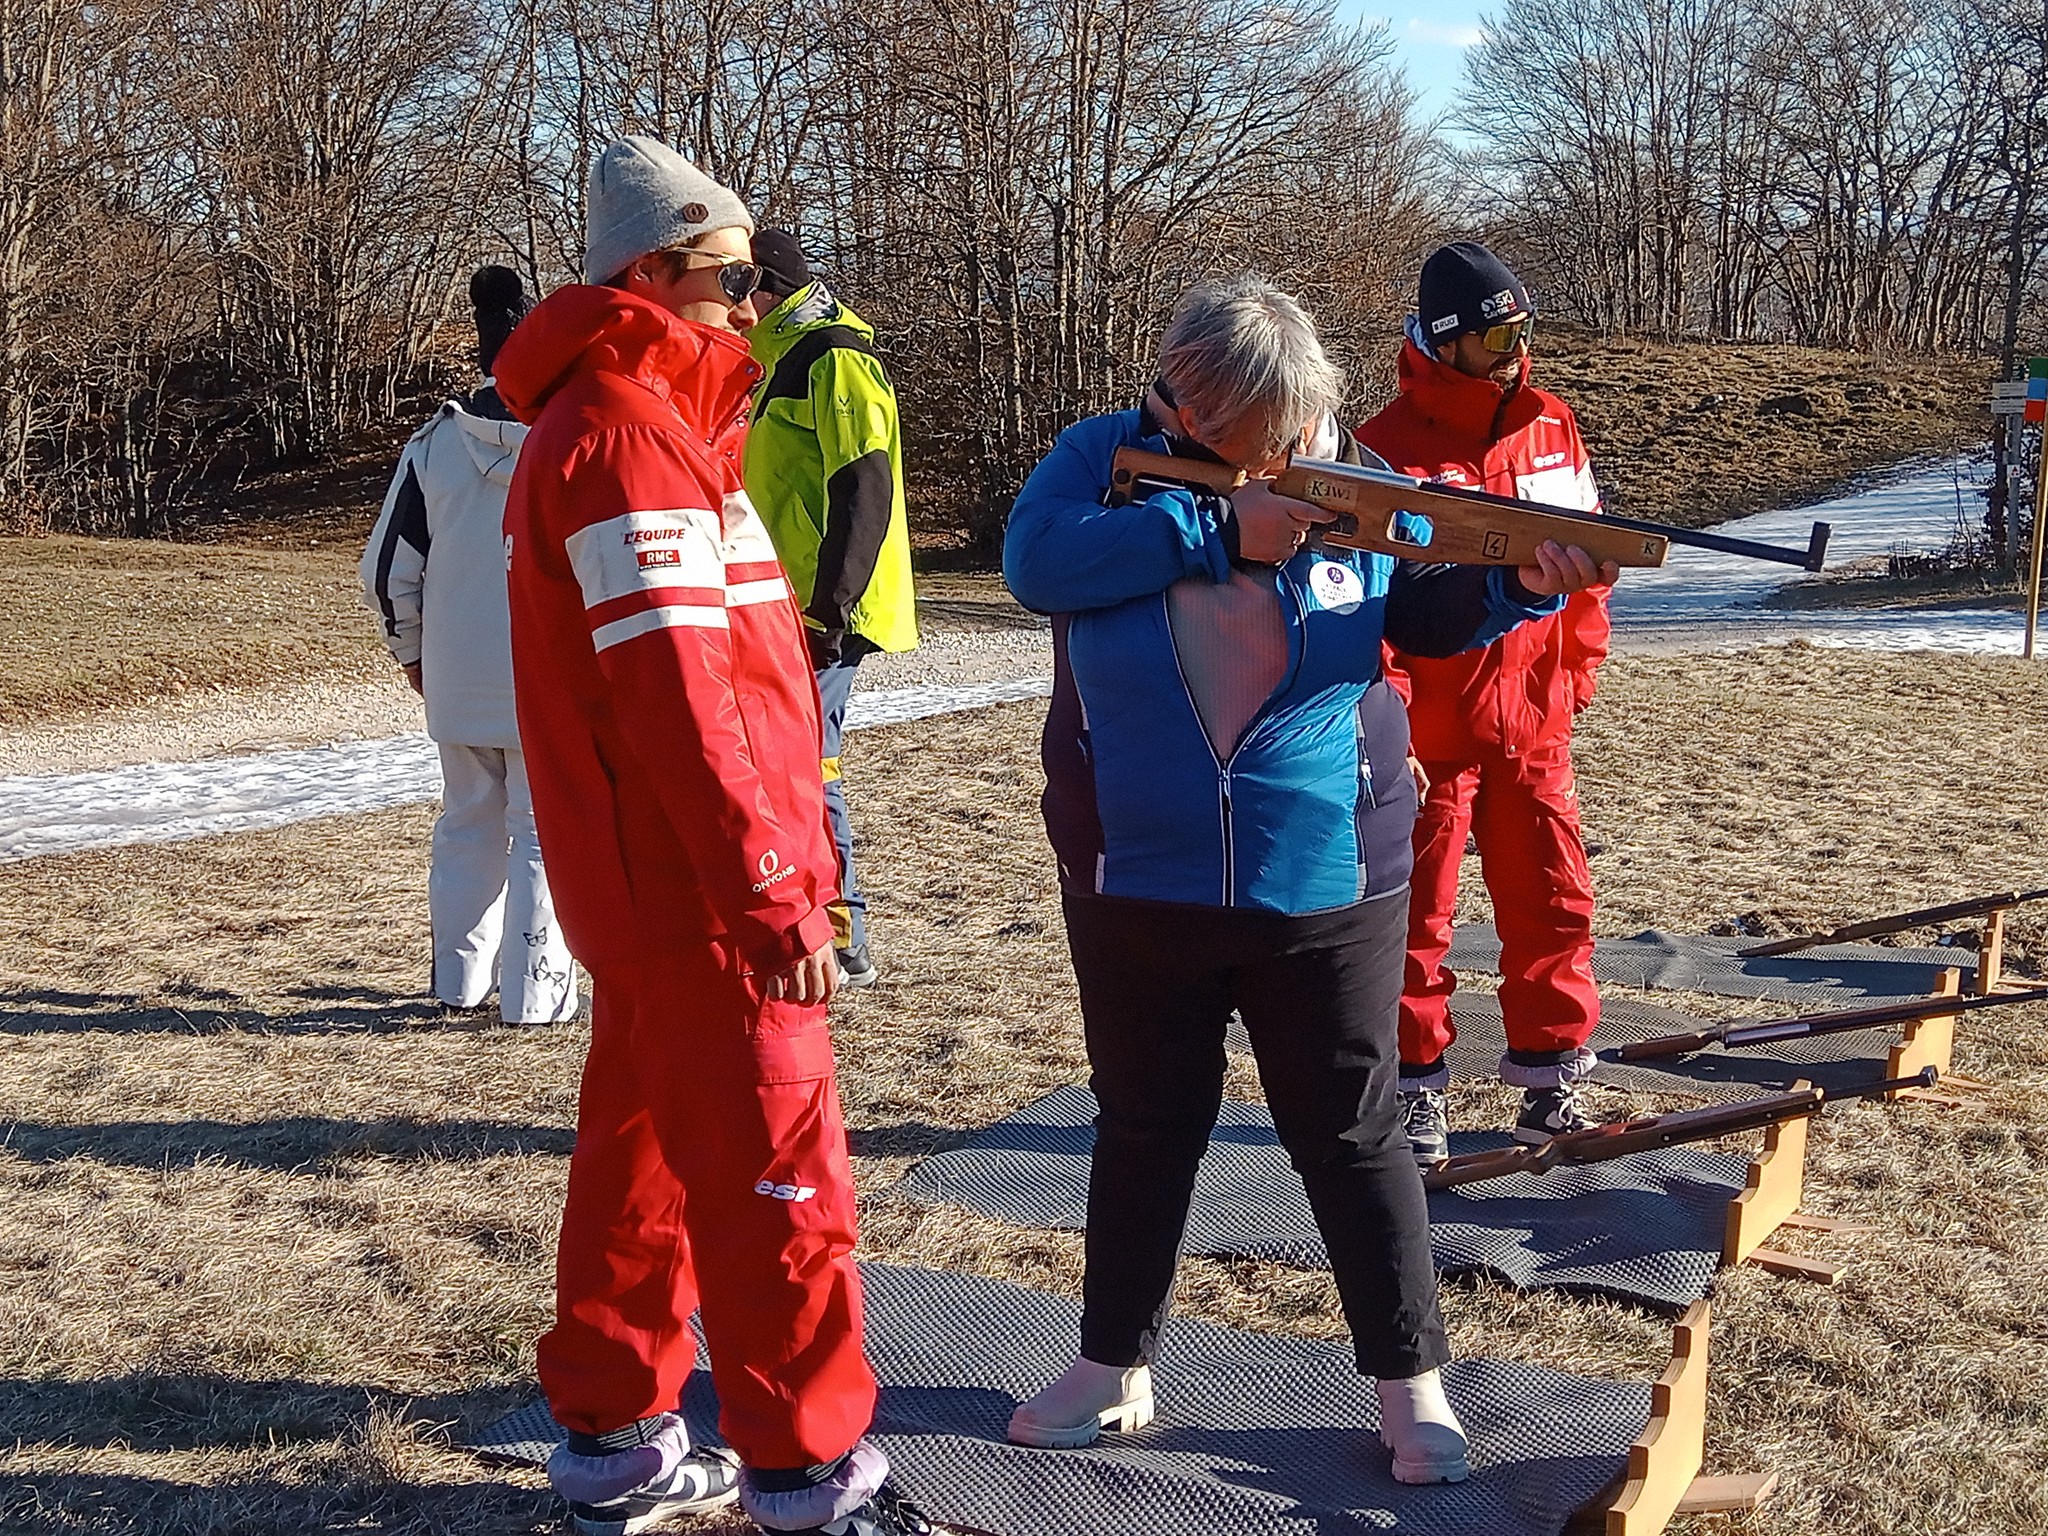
(1335, 588)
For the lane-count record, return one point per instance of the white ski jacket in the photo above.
(435, 570)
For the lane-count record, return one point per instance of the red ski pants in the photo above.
(1524, 813)
(710, 1172)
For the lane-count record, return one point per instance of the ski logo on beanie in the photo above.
(1502, 303)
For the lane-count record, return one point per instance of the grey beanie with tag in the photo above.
(645, 197)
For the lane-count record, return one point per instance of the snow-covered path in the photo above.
(168, 802)
(1700, 599)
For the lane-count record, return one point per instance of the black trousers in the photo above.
(1319, 995)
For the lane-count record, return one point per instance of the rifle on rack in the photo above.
(1899, 922)
(1621, 1137)
(1395, 514)
(1735, 1034)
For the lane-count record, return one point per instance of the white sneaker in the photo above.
(1418, 1426)
(1086, 1400)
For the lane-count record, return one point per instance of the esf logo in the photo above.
(651, 559)
(795, 1194)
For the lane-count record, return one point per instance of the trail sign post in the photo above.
(2036, 412)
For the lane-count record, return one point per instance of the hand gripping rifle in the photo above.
(1621, 1137)
(1898, 922)
(1443, 523)
(1735, 1034)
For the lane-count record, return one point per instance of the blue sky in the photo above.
(1429, 41)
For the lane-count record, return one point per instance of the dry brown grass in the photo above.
(268, 1224)
(1678, 433)
(96, 622)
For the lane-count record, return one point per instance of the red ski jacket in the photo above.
(1521, 692)
(666, 702)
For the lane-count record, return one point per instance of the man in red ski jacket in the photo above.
(671, 726)
(1492, 728)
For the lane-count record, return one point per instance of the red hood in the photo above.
(1467, 406)
(705, 373)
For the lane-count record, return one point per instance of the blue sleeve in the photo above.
(1441, 610)
(1064, 551)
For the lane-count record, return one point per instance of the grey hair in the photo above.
(1240, 352)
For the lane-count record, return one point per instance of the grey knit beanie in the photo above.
(645, 197)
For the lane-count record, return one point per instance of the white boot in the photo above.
(1086, 1400)
(1417, 1425)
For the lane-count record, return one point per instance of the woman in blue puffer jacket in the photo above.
(1229, 800)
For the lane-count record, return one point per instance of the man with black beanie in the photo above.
(824, 466)
(1492, 728)
(493, 919)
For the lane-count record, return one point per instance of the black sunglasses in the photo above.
(738, 280)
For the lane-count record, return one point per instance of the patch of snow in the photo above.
(170, 802)
(1712, 599)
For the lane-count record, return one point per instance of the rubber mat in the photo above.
(1256, 1436)
(1833, 975)
(1645, 1229)
(1828, 1061)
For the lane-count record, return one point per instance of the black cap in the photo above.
(500, 301)
(781, 260)
(1465, 287)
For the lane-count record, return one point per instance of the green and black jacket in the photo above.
(824, 466)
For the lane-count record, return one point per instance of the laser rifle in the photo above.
(1646, 1133)
(1734, 1035)
(1898, 922)
(1444, 523)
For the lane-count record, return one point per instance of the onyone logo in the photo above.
(651, 559)
(770, 874)
(795, 1194)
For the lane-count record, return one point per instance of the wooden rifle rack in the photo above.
(1932, 1043)
(1770, 1200)
(1990, 975)
(1663, 1477)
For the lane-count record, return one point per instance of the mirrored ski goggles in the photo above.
(1508, 336)
(737, 279)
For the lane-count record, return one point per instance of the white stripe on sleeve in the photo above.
(767, 590)
(640, 551)
(681, 616)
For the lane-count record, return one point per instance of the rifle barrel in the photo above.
(1898, 922)
(1808, 559)
(1799, 1027)
(1605, 1143)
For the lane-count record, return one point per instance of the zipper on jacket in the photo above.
(1223, 765)
(1222, 768)
(1229, 858)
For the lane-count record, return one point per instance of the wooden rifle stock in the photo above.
(1898, 922)
(1458, 527)
(1734, 1035)
(1603, 1143)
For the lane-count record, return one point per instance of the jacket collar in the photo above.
(704, 373)
(1468, 407)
